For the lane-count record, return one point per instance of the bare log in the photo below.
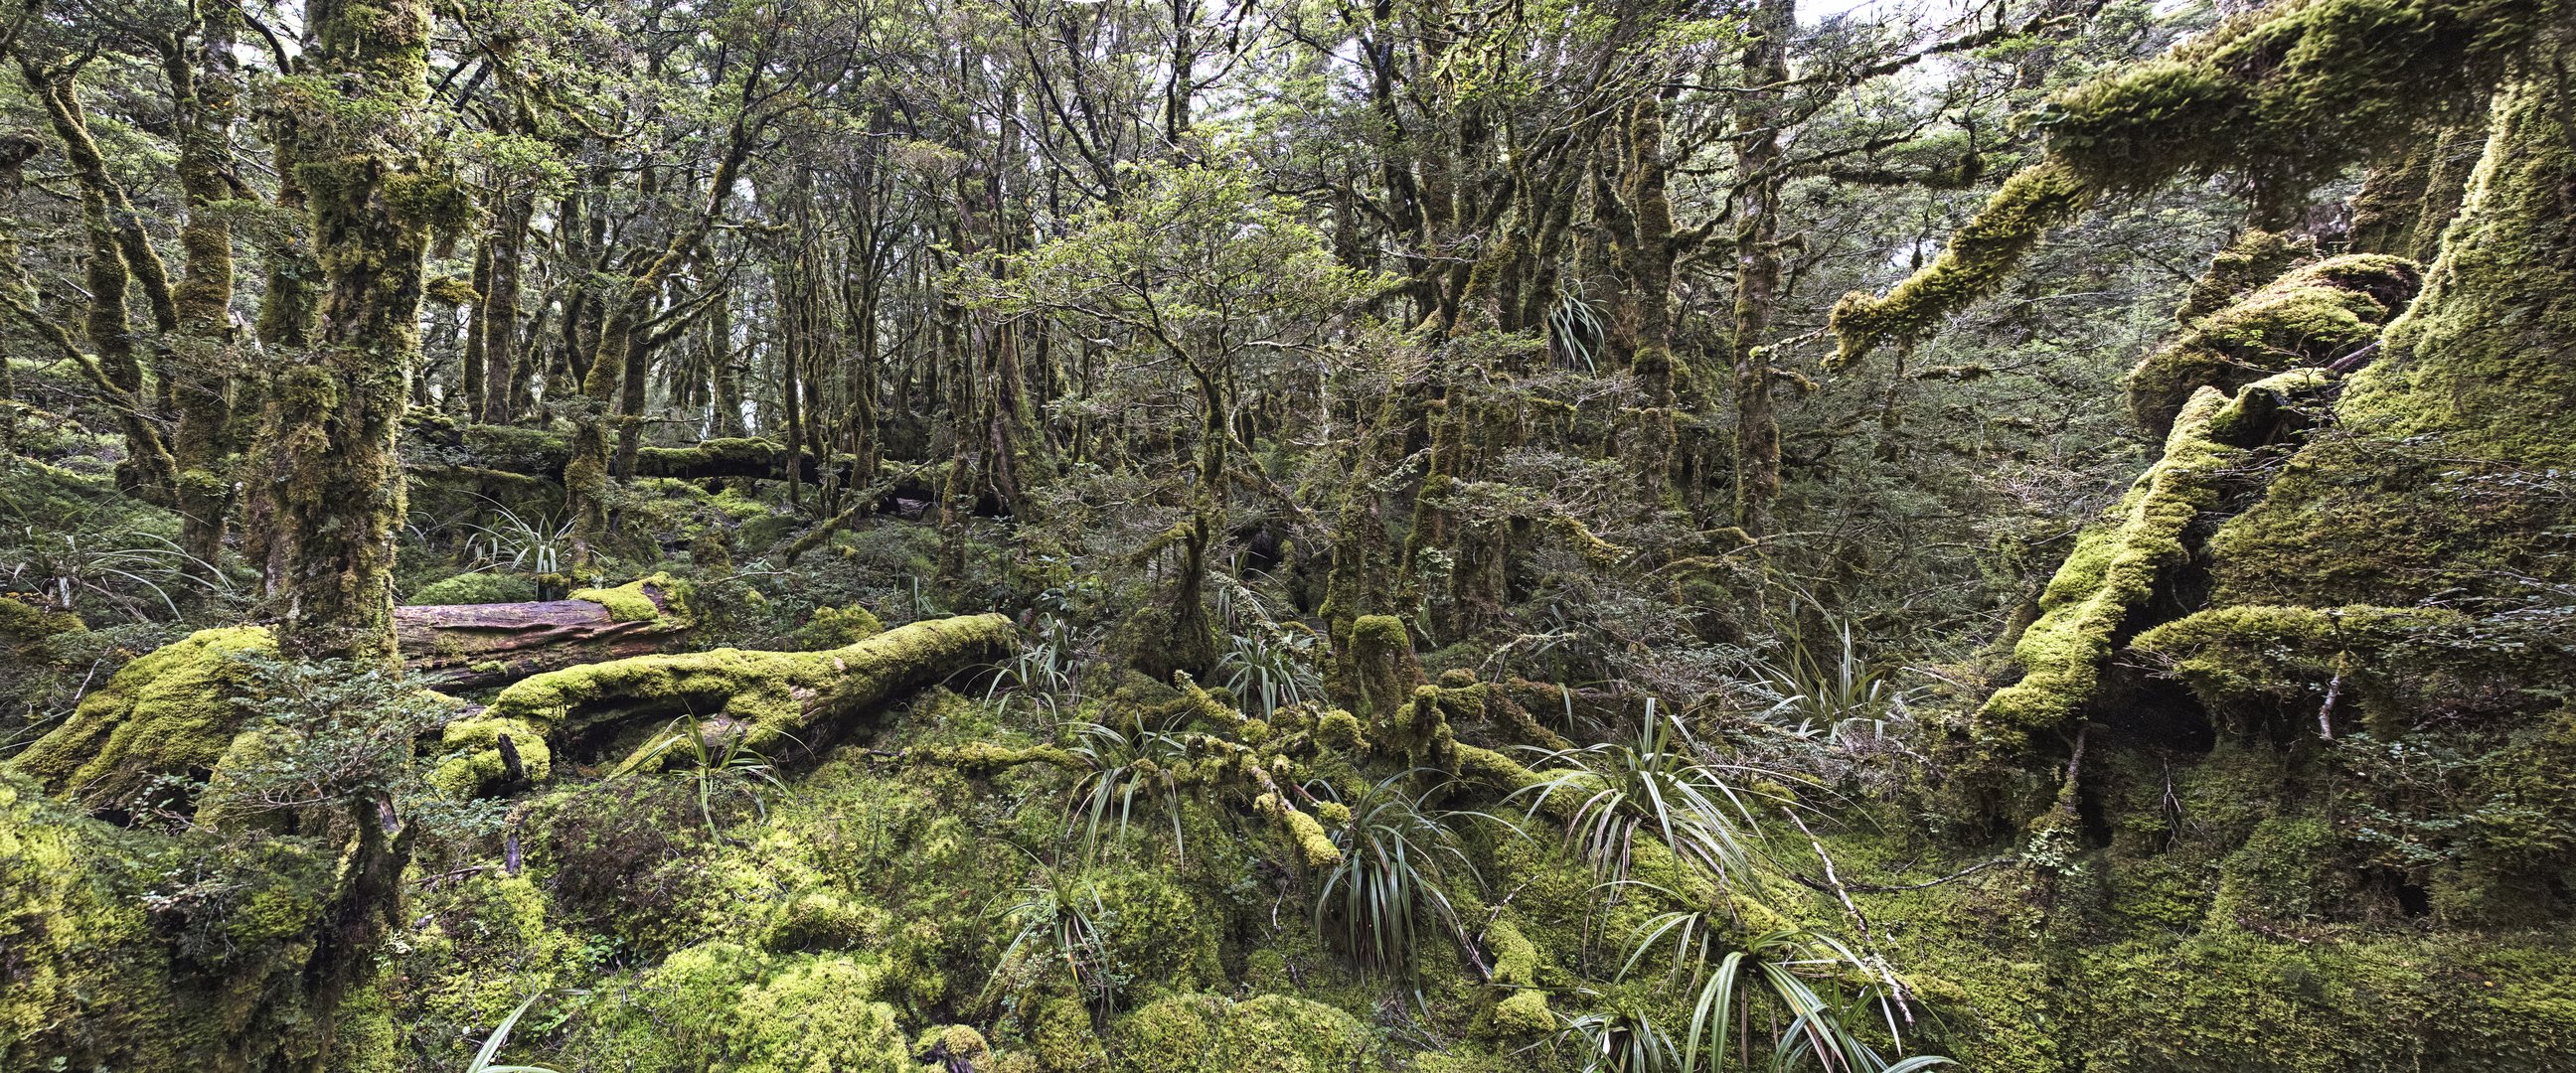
(477, 646)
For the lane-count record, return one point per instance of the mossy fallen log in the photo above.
(434, 445)
(174, 711)
(730, 698)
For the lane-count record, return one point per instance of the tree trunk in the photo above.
(332, 416)
(1757, 269)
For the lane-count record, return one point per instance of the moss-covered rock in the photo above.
(170, 712)
(1264, 1034)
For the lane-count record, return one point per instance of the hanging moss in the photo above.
(2309, 317)
(1975, 264)
(170, 712)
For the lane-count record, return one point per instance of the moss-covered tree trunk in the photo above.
(205, 82)
(1757, 267)
(329, 434)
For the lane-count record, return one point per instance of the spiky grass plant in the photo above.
(1123, 765)
(1060, 919)
(1390, 889)
(68, 570)
(1271, 672)
(1823, 988)
(715, 770)
(1661, 783)
(500, 1038)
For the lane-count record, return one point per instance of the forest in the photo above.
(1287, 536)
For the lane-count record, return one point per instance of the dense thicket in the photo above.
(1047, 536)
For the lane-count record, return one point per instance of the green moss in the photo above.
(1386, 671)
(2290, 94)
(480, 587)
(2437, 481)
(2309, 317)
(1264, 1034)
(1977, 261)
(2112, 572)
(2256, 257)
(833, 627)
(641, 600)
(720, 1006)
(170, 712)
(761, 698)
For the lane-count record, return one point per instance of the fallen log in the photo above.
(728, 698)
(434, 445)
(173, 711)
(477, 646)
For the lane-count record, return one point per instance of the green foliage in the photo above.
(1660, 784)
(1271, 672)
(484, 1059)
(1390, 888)
(1060, 920)
(714, 769)
(1122, 765)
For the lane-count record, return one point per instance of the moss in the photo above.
(1264, 1034)
(1315, 848)
(2309, 317)
(1159, 932)
(2436, 482)
(641, 600)
(2110, 574)
(2255, 258)
(2290, 94)
(720, 1006)
(2384, 664)
(833, 627)
(1976, 262)
(763, 699)
(473, 761)
(170, 712)
(1386, 671)
(480, 587)
(1522, 1011)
